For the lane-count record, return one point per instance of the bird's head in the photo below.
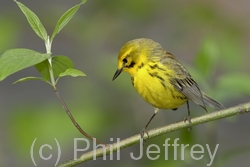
(128, 58)
(137, 53)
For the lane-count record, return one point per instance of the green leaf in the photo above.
(34, 21)
(43, 69)
(207, 57)
(72, 72)
(65, 18)
(59, 64)
(30, 78)
(14, 60)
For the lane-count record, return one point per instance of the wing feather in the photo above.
(183, 81)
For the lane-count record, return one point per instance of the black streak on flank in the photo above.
(182, 98)
(163, 85)
(156, 66)
(155, 74)
(160, 78)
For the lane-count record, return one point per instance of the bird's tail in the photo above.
(211, 102)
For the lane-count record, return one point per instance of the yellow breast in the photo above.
(154, 86)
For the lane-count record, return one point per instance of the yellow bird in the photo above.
(159, 78)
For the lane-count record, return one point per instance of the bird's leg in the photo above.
(188, 118)
(144, 129)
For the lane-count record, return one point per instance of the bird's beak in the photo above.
(117, 73)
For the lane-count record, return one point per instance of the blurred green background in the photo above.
(211, 38)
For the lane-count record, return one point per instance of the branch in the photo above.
(240, 109)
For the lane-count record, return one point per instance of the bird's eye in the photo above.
(125, 60)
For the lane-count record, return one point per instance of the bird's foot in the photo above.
(188, 118)
(142, 133)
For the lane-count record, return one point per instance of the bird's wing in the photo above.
(183, 81)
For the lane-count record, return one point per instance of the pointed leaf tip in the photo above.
(72, 72)
(14, 60)
(34, 21)
(30, 78)
(65, 18)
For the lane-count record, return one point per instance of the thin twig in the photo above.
(74, 121)
(240, 109)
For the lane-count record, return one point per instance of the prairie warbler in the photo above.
(159, 78)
